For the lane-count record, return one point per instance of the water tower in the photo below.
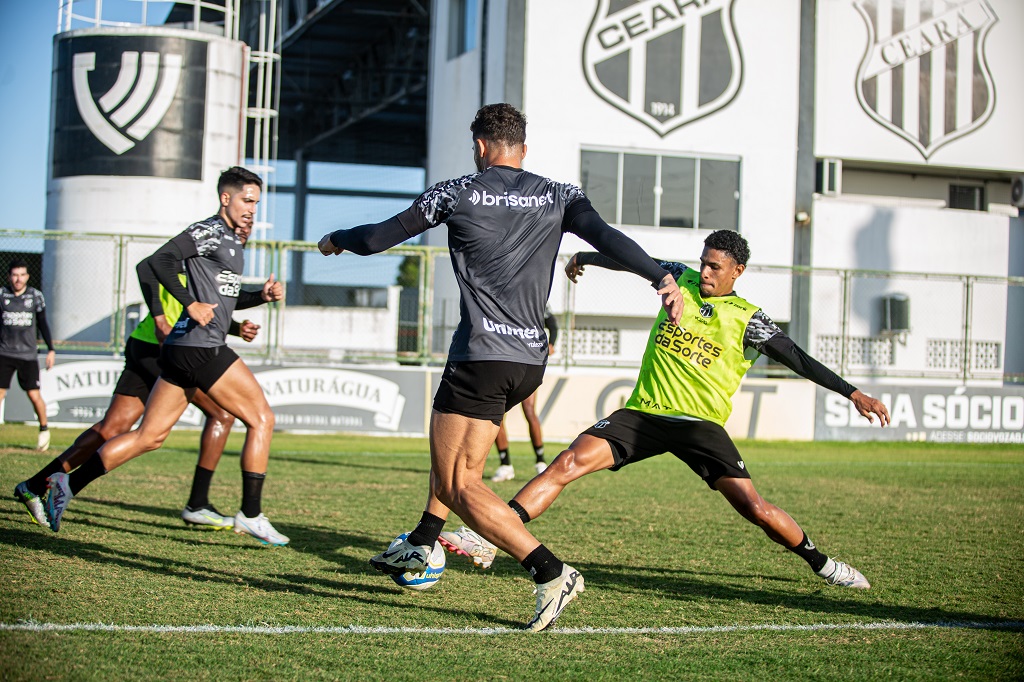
(144, 118)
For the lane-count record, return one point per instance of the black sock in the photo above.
(252, 493)
(86, 474)
(539, 451)
(37, 484)
(199, 498)
(427, 531)
(518, 509)
(542, 565)
(44, 427)
(503, 457)
(809, 553)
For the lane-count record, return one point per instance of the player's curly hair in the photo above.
(236, 177)
(500, 123)
(730, 242)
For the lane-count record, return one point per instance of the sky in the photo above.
(26, 56)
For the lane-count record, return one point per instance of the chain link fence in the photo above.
(402, 307)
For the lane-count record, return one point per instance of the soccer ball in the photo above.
(426, 579)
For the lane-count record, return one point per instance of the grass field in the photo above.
(678, 585)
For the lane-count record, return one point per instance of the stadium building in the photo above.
(869, 150)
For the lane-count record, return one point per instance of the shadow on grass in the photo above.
(306, 585)
(678, 585)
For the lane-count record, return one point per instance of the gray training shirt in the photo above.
(214, 276)
(504, 228)
(18, 337)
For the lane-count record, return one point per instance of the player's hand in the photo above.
(869, 407)
(551, 349)
(573, 269)
(161, 327)
(272, 290)
(51, 357)
(247, 330)
(671, 299)
(201, 312)
(327, 247)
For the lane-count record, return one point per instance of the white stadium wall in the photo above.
(144, 120)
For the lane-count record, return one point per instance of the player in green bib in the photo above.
(683, 397)
(127, 404)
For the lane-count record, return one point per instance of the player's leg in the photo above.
(238, 392)
(585, 455)
(166, 404)
(198, 510)
(505, 471)
(28, 379)
(536, 434)
(781, 528)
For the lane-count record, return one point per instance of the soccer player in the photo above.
(22, 312)
(128, 402)
(504, 228)
(195, 355)
(505, 470)
(683, 397)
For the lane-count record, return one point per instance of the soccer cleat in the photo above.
(505, 472)
(259, 527)
(470, 544)
(554, 596)
(844, 575)
(32, 503)
(541, 467)
(401, 556)
(43, 441)
(58, 499)
(206, 516)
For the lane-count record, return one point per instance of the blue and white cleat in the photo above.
(58, 499)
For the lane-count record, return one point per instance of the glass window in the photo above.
(678, 182)
(638, 182)
(719, 195)
(599, 173)
(461, 27)
(662, 191)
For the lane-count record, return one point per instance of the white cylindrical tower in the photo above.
(143, 121)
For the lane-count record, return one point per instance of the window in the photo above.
(969, 197)
(461, 27)
(656, 190)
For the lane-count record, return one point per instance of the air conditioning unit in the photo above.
(895, 314)
(1017, 191)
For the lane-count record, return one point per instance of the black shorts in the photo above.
(189, 367)
(704, 446)
(28, 373)
(141, 369)
(486, 389)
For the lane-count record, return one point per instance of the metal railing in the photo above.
(862, 323)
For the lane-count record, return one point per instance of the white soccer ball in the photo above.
(426, 579)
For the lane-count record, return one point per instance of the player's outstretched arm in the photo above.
(765, 337)
(366, 239)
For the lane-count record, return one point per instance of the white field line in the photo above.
(31, 626)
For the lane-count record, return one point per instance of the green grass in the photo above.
(938, 530)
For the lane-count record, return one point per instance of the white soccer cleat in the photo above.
(207, 516)
(554, 596)
(402, 556)
(32, 503)
(470, 544)
(260, 528)
(57, 499)
(43, 441)
(541, 467)
(843, 575)
(505, 472)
